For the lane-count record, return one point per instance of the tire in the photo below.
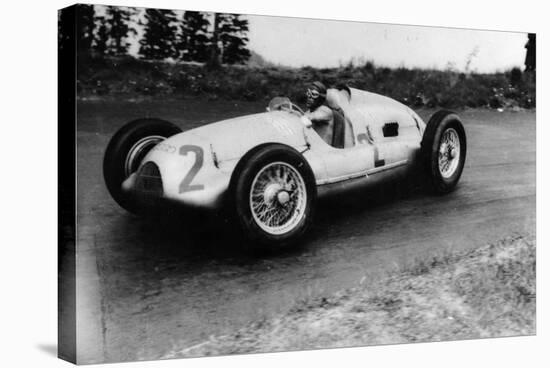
(443, 151)
(125, 151)
(263, 170)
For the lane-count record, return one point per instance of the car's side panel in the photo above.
(344, 164)
(369, 180)
(378, 111)
(376, 156)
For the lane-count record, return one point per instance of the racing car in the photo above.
(268, 170)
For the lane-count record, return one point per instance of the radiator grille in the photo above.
(149, 181)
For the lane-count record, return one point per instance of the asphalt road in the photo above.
(150, 288)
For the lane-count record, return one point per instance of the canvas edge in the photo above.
(66, 150)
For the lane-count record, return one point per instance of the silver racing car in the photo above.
(269, 169)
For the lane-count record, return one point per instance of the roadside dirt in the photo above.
(488, 292)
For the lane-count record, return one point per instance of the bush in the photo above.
(415, 87)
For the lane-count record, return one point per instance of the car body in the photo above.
(196, 166)
(380, 140)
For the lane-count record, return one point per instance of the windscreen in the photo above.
(278, 103)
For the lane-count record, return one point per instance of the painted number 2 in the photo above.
(185, 185)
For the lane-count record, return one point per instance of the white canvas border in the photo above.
(29, 272)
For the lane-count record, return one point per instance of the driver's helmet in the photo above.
(316, 94)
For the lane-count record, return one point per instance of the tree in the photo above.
(233, 36)
(102, 36)
(160, 32)
(228, 40)
(84, 27)
(118, 20)
(214, 61)
(531, 54)
(194, 41)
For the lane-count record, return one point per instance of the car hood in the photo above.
(231, 139)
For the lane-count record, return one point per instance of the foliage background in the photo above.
(127, 77)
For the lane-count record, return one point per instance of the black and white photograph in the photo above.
(256, 184)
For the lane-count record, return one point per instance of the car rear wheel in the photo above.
(274, 194)
(125, 152)
(444, 151)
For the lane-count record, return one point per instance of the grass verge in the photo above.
(487, 292)
(129, 78)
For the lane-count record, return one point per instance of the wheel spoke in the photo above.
(449, 153)
(276, 217)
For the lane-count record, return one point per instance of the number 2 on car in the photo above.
(185, 185)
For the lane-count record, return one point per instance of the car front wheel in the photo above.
(274, 192)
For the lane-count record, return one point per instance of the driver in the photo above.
(321, 116)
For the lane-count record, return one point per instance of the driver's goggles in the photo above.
(312, 93)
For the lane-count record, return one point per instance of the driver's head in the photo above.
(316, 94)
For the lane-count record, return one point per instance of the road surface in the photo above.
(148, 288)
